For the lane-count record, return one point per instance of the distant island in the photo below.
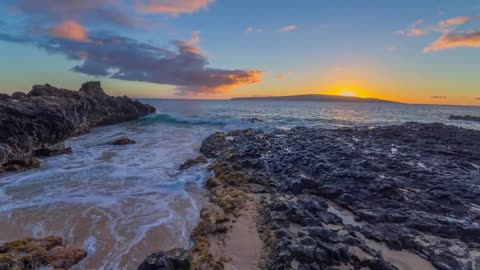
(315, 97)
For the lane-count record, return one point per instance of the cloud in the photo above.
(123, 13)
(453, 40)
(96, 12)
(288, 28)
(284, 75)
(252, 29)
(69, 29)
(123, 58)
(173, 7)
(413, 30)
(478, 98)
(456, 21)
(439, 97)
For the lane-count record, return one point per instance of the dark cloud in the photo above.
(478, 98)
(93, 12)
(439, 97)
(123, 58)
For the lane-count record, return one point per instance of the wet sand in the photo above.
(241, 247)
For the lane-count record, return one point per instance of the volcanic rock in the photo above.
(37, 123)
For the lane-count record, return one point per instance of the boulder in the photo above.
(176, 259)
(192, 162)
(18, 95)
(123, 141)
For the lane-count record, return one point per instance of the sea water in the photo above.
(122, 203)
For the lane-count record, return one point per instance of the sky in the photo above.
(422, 52)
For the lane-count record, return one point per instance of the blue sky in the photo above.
(422, 52)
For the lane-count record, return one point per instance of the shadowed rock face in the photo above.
(412, 194)
(38, 122)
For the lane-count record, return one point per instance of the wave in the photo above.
(167, 118)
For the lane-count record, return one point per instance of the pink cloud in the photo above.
(170, 6)
(288, 28)
(453, 40)
(413, 30)
(456, 21)
(69, 29)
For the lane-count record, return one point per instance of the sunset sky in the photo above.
(418, 52)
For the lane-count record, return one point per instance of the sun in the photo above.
(347, 93)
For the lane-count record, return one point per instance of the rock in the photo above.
(410, 187)
(192, 162)
(123, 141)
(35, 253)
(92, 89)
(65, 258)
(38, 123)
(4, 96)
(176, 259)
(253, 120)
(18, 95)
(465, 118)
(20, 165)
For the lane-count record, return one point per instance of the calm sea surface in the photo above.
(123, 202)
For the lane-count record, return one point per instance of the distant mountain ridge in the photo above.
(316, 97)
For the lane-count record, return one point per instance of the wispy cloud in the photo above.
(413, 30)
(453, 40)
(124, 13)
(439, 97)
(252, 29)
(478, 98)
(171, 7)
(450, 38)
(284, 75)
(456, 21)
(288, 28)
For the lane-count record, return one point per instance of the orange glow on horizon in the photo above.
(347, 93)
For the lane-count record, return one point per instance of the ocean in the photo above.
(122, 203)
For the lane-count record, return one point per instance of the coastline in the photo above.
(379, 198)
(36, 124)
(320, 198)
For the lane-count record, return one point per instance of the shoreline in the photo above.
(36, 124)
(395, 209)
(318, 198)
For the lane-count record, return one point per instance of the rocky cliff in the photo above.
(37, 123)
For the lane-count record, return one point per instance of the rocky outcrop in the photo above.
(42, 253)
(176, 259)
(192, 162)
(37, 123)
(394, 197)
(123, 141)
(465, 118)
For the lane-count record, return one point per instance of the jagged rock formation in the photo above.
(395, 197)
(37, 123)
(412, 188)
